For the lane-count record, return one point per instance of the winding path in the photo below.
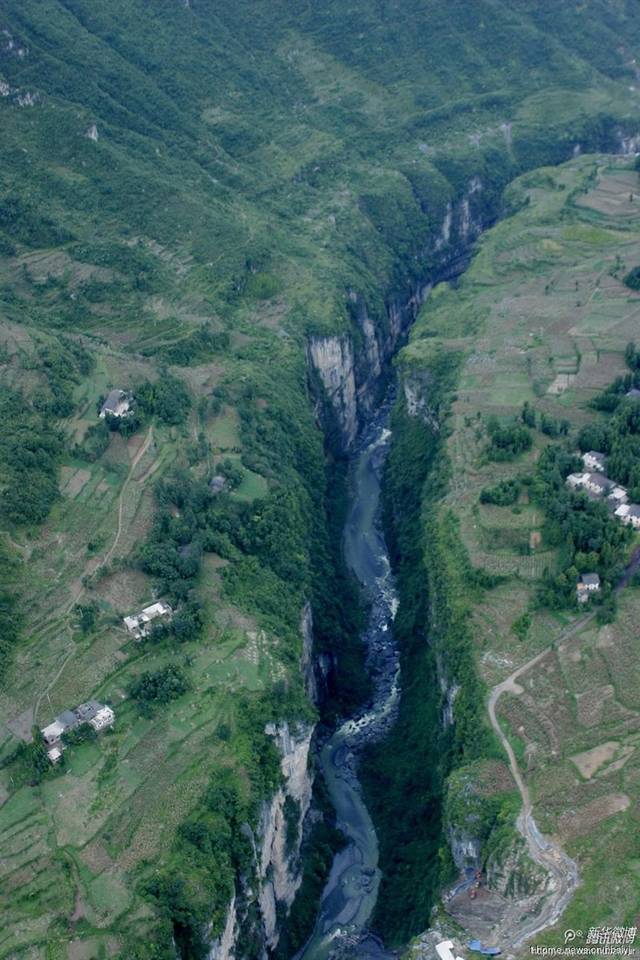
(107, 557)
(547, 853)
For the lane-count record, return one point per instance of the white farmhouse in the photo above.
(618, 496)
(577, 480)
(104, 718)
(97, 714)
(598, 484)
(53, 732)
(629, 513)
(594, 483)
(139, 625)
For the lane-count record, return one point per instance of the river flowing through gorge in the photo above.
(349, 897)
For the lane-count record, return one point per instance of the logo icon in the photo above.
(570, 935)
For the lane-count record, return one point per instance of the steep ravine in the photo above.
(351, 891)
(350, 374)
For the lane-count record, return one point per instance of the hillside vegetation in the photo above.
(187, 190)
(530, 339)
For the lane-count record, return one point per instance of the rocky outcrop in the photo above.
(332, 359)
(223, 947)
(280, 828)
(353, 379)
(415, 387)
(629, 145)
(273, 882)
(307, 661)
(465, 849)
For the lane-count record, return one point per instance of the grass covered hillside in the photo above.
(514, 361)
(257, 147)
(187, 190)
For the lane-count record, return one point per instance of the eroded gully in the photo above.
(349, 897)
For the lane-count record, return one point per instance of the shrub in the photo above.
(508, 441)
(160, 686)
(503, 494)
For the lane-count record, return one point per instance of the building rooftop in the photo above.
(113, 400)
(590, 579)
(87, 710)
(599, 480)
(68, 719)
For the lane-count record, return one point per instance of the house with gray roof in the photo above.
(588, 585)
(117, 404)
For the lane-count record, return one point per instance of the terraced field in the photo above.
(543, 316)
(70, 845)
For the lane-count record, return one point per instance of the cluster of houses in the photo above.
(140, 624)
(597, 484)
(97, 715)
(117, 404)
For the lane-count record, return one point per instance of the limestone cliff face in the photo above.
(332, 359)
(415, 387)
(353, 378)
(223, 947)
(276, 846)
(315, 666)
(280, 829)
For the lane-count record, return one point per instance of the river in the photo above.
(349, 897)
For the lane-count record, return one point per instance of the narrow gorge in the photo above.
(359, 387)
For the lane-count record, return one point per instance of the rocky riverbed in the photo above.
(348, 900)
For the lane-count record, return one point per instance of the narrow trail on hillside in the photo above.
(134, 463)
(68, 607)
(545, 852)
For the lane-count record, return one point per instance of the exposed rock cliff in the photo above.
(332, 358)
(353, 378)
(276, 845)
(223, 947)
(280, 829)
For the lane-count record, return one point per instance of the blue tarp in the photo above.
(477, 946)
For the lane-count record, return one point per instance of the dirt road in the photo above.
(75, 598)
(548, 854)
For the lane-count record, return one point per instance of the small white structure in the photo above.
(140, 624)
(53, 732)
(577, 480)
(629, 513)
(588, 585)
(54, 754)
(103, 718)
(117, 404)
(618, 496)
(593, 460)
(622, 512)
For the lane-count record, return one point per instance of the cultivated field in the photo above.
(543, 316)
(71, 845)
